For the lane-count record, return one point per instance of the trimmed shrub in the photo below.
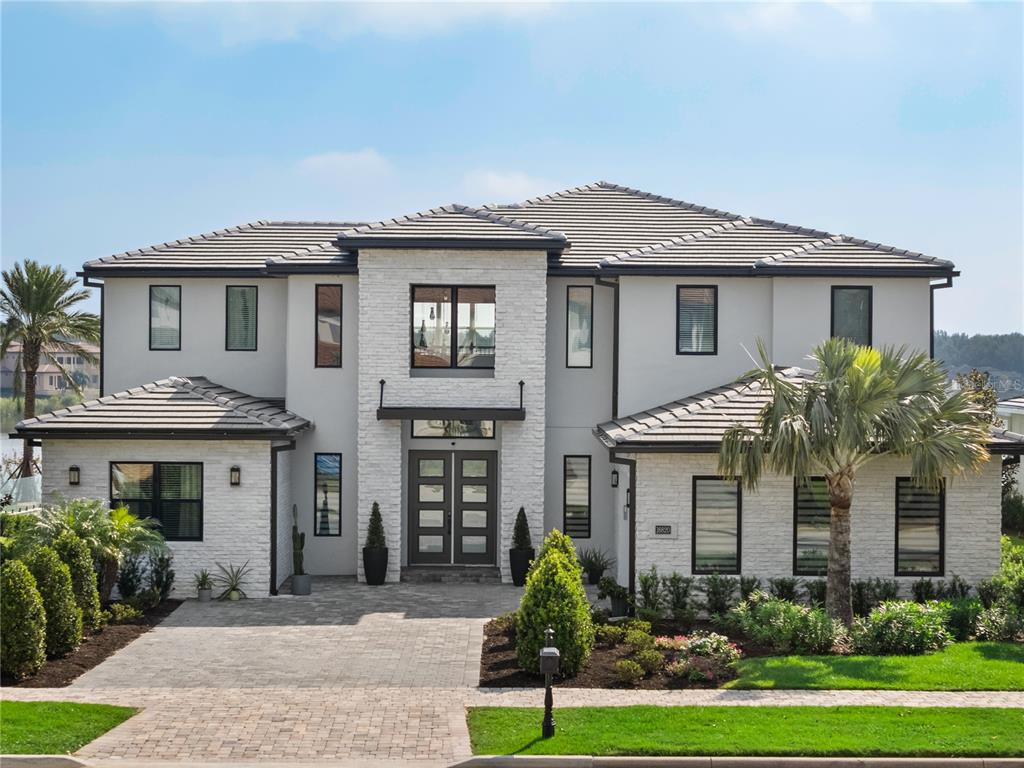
(1000, 622)
(784, 626)
(962, 616)
(719, 593)
(506, 622)
(521, 532)
(161, 575)
(815, 591)
(640, 624)
(650, 660)
(748, 585)
(76, 556)
(23, 640)
(556, 541)
(925, 589)
(63, 616)
(554, 597)
(600, 615)
(784, 588)
(129, 577)
(868, 593)
(639, 641)
(609, 635)
(629, 671)
(707, 658)
(649, 599)
(676, 590)
(957, 588)
(121, 613)
(145, 600)
(902, 627)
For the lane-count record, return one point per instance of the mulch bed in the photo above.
(95, 648)
(500, 669)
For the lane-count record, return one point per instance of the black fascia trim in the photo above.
(573, 271)
(170, 272)
(459, 414)
(312, 269)
(143, 434)
(932, 288)
(693, 526)
(694, 447)
(697, 271)
(462, 243)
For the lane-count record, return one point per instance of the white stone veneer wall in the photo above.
(236, 520)
(520, 280)
(664, 495)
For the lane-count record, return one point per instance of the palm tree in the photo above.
(860, 404)
(37, 302)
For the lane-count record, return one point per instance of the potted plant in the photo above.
(375, 553)
(302, 582)
(522, 552)
(204, 586)
(595, 562)
(607, 587)
(231, 579)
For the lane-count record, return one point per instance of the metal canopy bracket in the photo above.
(452, 413)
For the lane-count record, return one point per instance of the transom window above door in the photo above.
(452, 428)
(453, 326)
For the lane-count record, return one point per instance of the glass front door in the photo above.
(452, 507)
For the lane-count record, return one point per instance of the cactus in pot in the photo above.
(301, 581)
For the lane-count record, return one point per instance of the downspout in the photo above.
(948, 283)
(274, 451)
(89, 283)
(614, 285)
(631, 505)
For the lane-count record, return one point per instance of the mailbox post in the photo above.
(549, 661)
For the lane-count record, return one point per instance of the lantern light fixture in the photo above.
(236, 475)
(74, 475)
(615, 478)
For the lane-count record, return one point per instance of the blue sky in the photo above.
(130, 124)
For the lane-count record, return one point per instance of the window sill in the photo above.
(451, 373)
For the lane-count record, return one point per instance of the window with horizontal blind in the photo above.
(242, 309)
(920, 529)
(716, 525)
(579, 323)
(453, 326)
(851, 313)
(169, 492)
(576, 496)
(812, 521)
(697, 319)
(165, 317)
(328, 326)
(327, 494)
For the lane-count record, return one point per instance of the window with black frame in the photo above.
(716, 525)
(169, 492)
(812, 521)
(851, 313)
(242, 304)
(697, 320)
(327, 494)
(579, 324)
(576, 496)
(328, 326)
(920, 522)
(453, 326)
(165, 317)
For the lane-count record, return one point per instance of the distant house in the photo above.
(1012, 413)
(50, 379)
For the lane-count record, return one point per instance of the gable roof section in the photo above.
(177, 407)
(239, 250)
(603, 219)
(697, 424)
(453, 226)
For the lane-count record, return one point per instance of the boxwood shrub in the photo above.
(74, 553)
(63, 617)
(23, 640)
(902, 627)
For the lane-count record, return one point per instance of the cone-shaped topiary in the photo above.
(521, 532)
(298, 544)
(375, 530)
(23, 640)
(63, 617)
(556, 541)
(554, 597)
(74, 553)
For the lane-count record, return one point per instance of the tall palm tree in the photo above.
(860, 404)
(37, 302)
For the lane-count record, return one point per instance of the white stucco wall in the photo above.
(236, 520)
(664, 491)
(128, 361)
(328, 397)
(385, 277)
(284, 517)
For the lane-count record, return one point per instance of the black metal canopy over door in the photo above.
(430, 504)
(475, 507)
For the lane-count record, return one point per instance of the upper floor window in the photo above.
(716, 525)
(812, 526)
(165, 317)
(240, 326)
(579, 324)
(172, 493)
(436, 309)
(851, 313)
(697, 319)
(328, 326)
(920, 522)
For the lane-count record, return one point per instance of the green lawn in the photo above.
(54, 728)
(821, 731)
(960, 667)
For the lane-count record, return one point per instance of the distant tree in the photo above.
(1003, 352)
(976, 386)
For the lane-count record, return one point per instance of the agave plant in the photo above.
(231, 579)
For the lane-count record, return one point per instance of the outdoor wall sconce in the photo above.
(236, 475)
(74, 475)
(615, 478)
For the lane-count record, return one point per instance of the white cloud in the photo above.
(363, 166)
(487, 186)
(785, 15)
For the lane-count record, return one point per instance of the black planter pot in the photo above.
(375, 565)
(594, 576)
(519, 562)
(620, 606)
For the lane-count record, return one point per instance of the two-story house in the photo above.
(575, 355)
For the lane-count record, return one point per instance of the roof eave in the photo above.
(461, 243)
(768, 271)
(170, 271)
(152, 434)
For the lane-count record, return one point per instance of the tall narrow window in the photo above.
(328, 326)
(171, 493)
(576, 496)
(579, 323)
(327, 494)
(851, 313)
(697, 320)
(436, 344)
(716, 525)
(812, 519)
(431, 326)
(920, 524)
(240, 327)
(165, 317)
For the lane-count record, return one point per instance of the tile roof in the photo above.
(451, 225)
(698, 423)
(1012, 403)
(184, 408)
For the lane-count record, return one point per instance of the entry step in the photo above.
(451, 574)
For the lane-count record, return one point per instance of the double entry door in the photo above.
(452, 507)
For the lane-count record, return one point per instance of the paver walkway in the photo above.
(361, 674)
